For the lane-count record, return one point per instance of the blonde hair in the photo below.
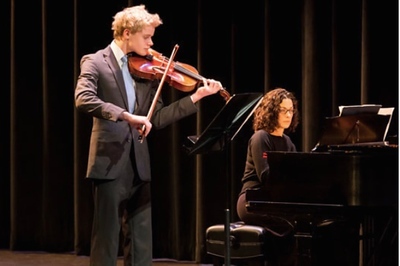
(134, 18)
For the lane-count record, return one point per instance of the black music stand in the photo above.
(225, 125)
(219, 133)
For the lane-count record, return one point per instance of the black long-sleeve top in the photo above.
(257, 168)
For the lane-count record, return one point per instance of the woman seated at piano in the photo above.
(274, 118)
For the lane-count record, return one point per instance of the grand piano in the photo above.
(341, 198)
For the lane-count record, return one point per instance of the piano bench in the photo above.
(247, 243)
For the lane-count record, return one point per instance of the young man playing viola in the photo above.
(119, 164)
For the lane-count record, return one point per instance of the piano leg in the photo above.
(379, 237)
(336, 242)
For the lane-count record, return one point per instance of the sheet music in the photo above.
(250, 115)
(357, 109)
(386, 111)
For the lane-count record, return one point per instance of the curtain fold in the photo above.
(329, 53)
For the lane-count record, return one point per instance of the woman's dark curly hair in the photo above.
(267, 113)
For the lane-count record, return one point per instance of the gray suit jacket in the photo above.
(100, 92)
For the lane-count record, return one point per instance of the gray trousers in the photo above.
(121, 205)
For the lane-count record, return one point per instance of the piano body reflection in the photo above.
(354, 188)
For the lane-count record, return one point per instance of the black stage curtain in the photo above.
(329, 53)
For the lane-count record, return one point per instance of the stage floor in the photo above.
(31, 258)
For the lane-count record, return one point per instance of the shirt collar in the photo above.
(118, 53)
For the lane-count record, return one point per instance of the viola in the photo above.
(156, 66)
(181, 76)
(158, 92)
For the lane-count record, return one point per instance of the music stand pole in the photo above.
(227, 238)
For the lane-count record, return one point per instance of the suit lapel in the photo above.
(112, 62)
